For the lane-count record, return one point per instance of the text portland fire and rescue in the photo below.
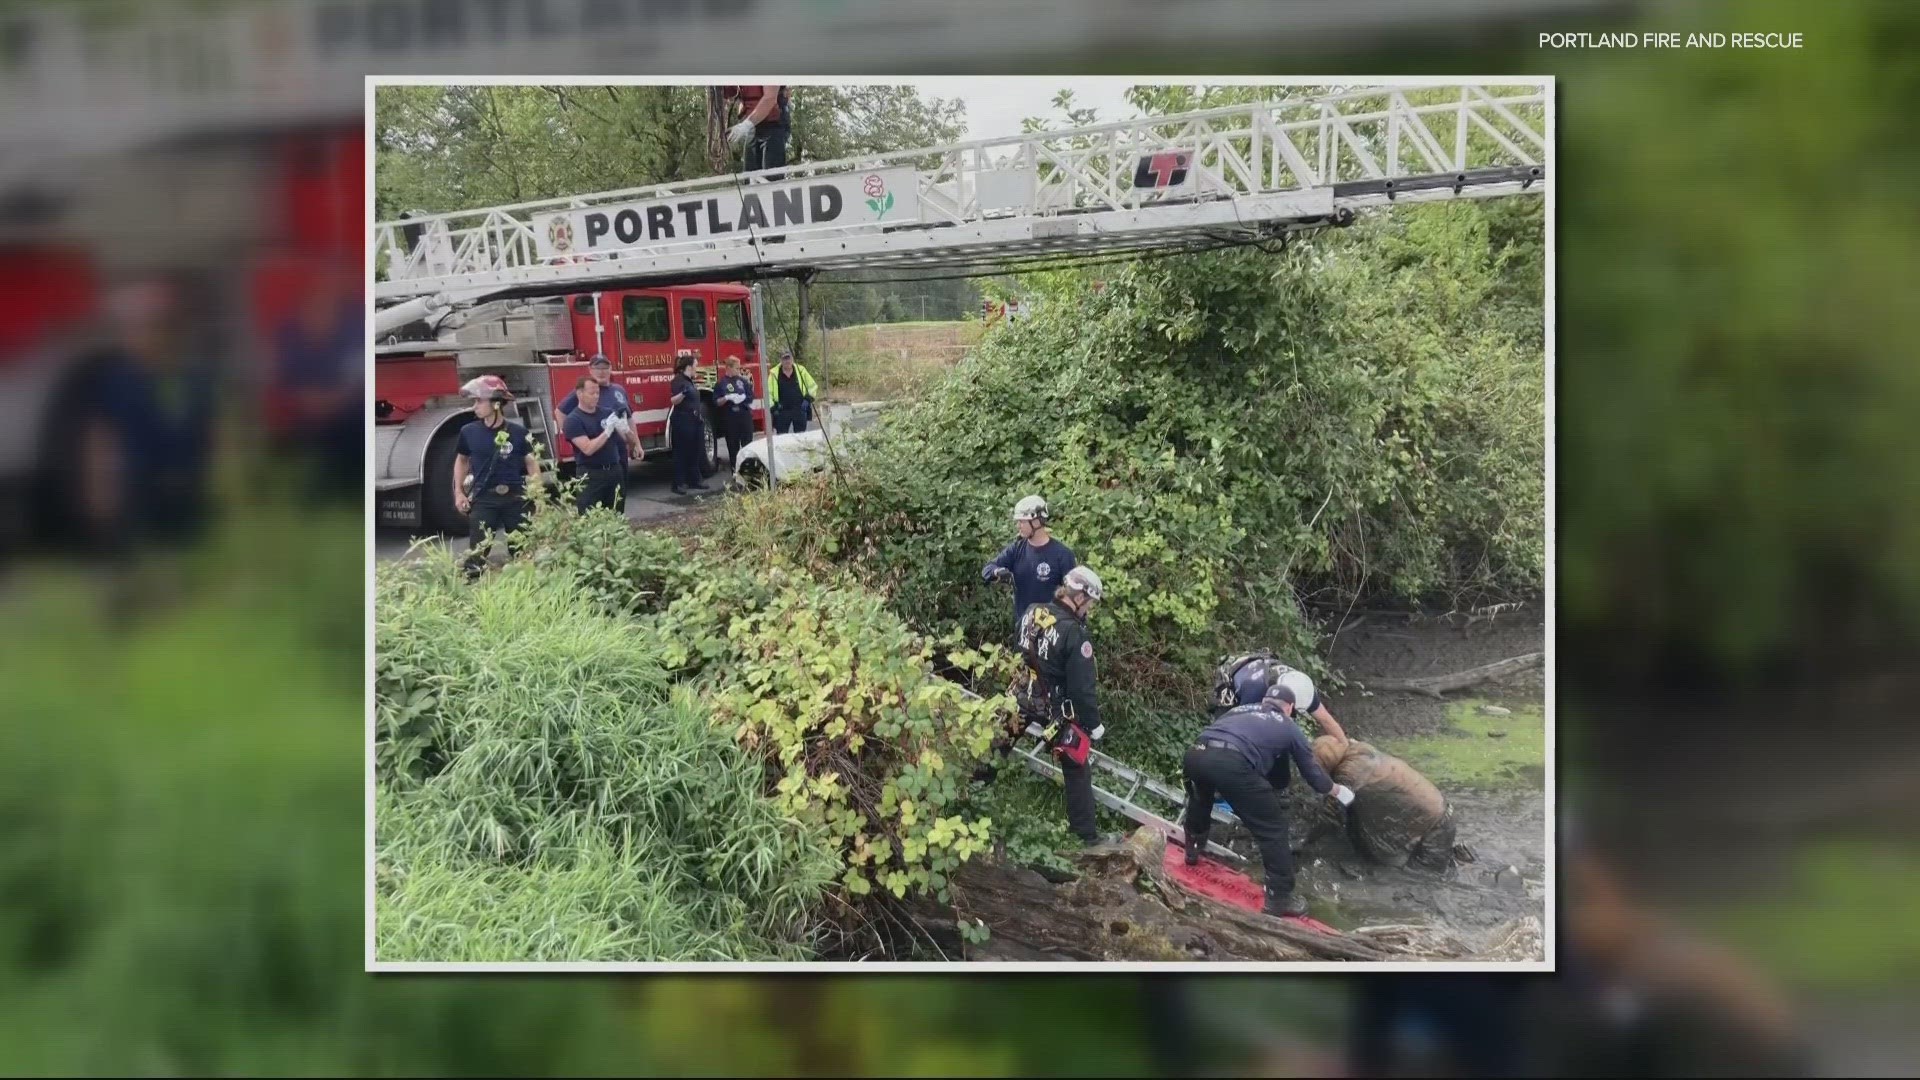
(882, 196)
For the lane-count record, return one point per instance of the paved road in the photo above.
(650, 494)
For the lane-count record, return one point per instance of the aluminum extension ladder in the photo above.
(1135, 783)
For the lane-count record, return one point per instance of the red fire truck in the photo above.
(541, 347)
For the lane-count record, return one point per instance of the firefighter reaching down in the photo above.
(1057, 693)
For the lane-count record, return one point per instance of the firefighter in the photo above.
(496, 456)
(613, 397)
(733, 398)
(791, 396)
(1307, 698)
(1243, 756)
(1057, 690)
(686, 428)
(1034, 563)
(597, 434)
(766, 118)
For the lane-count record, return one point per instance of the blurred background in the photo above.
(181, 222)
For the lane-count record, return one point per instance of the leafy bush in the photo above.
(545, 792)
(1218, 434)
(862, 738)
(626, 570)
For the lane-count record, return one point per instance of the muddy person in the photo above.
(1243, 757)
(1397, 817)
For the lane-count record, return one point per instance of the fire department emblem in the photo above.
(1043, 571)
(560, 233)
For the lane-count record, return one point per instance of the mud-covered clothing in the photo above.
(1397, 814)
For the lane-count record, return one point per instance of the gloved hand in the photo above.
(1343, 793)
(1098, 731)
(740, 133)
(1003, 575)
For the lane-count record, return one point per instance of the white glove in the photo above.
(740, 133)
(1098, 730)
(1343, 793)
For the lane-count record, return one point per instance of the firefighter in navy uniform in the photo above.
(496, 458)
(1057, 690)
(1243, 756)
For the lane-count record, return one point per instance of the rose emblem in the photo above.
(879, 199)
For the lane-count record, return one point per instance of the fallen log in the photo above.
(1445, 684)
(1122, 906)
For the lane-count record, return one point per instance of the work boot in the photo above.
(1289, 904)
(1195, 845)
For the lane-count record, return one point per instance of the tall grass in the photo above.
(889, 361)
(546, 794)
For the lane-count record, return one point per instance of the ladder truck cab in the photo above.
(541, 347)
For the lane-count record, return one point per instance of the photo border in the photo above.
(1045, 84)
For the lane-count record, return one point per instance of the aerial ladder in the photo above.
(1193, 179)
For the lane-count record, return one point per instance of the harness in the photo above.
(1039, 700)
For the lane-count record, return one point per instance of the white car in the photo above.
(803, 452)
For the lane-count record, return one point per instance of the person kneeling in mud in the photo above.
(1397, 817)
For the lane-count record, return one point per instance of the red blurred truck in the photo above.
(541, 348)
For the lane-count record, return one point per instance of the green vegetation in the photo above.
(1478, 750)
(546, 795)
(1219, 435)
(1846, 919)
(892, 361)
(612, 751)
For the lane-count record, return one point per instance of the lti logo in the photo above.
(1162, 170)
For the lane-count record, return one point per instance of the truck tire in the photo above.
(437, 513)
(710, 454)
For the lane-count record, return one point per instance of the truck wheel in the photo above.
(437, 513)
(710, 455)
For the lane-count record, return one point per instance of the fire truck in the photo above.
(541, 347)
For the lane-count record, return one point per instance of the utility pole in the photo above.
(766, 378)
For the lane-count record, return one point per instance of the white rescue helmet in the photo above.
(1082, 580)
(1032, 508)
(1301, 685)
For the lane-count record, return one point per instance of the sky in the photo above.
(997, 104)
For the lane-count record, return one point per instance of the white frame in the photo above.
(1043, 85)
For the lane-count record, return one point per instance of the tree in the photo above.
(462, 147)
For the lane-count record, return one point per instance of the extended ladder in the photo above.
(1192, 179)
(1136, 782)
